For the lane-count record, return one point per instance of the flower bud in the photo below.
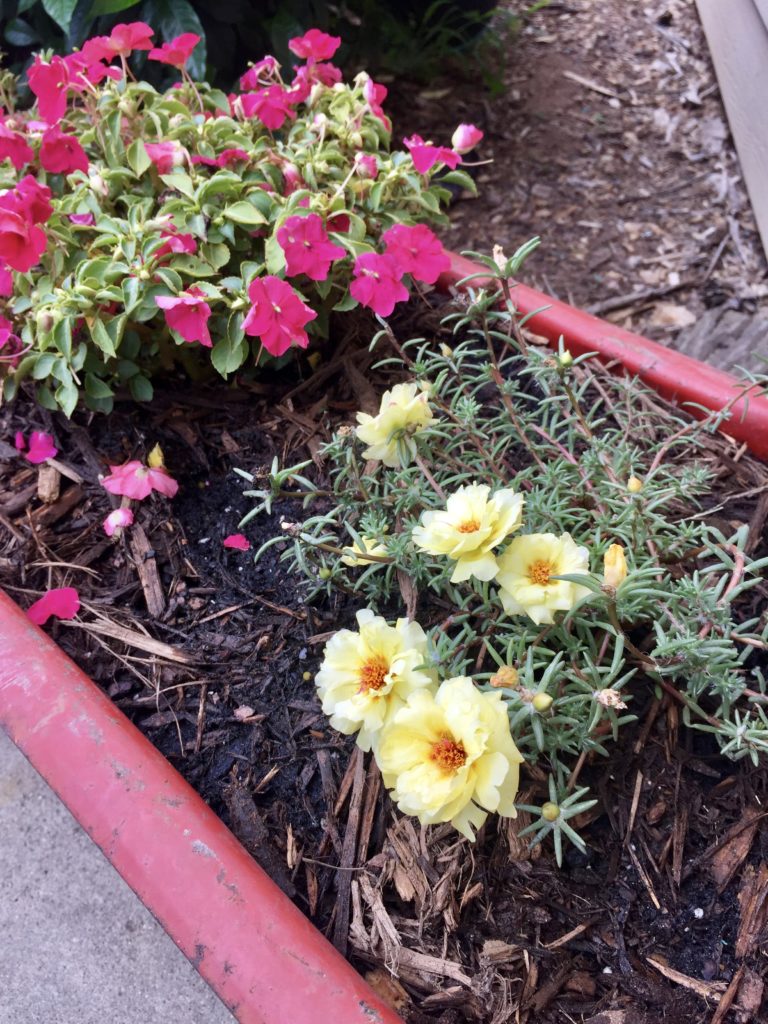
(542, 702)
(565, 359)
(325, 573)
(465, 138)
(98, 184)
(614, 566)
(507, 676)
(634, 485)
(366, 165)
(155, 458)
(550, 811)
(45, 321)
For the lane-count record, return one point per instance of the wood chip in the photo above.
(388, 989)
(432, 965)
(146, 566)
(347, 860)
(727, 998)
(753, 902)
(133, 638)
(706, 989)
(588, 83)
(48, 484)
(734, 848)
(495, 951)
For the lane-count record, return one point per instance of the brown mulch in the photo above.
(609, 139)
(664, 917)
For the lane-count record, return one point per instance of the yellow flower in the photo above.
(449, 756)
(525, 575)
(358, 555)
(403, 413)
(367, 676)
(614, 566)
(470, 527)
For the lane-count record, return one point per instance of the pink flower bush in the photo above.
(278, 315)
(227, 156)
(165, 155)
(377, 283)
(14, 147)
(21, 243)
(176, 242)
(188, 314)
(6, 281)
(264, 69)
(314, 45)
(61, 603)
(49, 81)
(465, 138)
(62, 154)
(307, 248)
(375, 95)
(416, 251)
(41, 447)
(176, 52)
(237, 541)
(117, 520)
(135, 480)
(425, 155)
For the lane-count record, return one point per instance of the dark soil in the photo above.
(639, 926)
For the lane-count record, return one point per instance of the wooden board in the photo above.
(738, 41)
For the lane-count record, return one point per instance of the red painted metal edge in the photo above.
(673, 375)
(259, 953)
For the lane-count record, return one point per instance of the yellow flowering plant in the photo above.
(537, 520)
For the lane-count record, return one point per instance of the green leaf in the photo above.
(345, 304)
(275, 256)
(96, 388)
(101, 337)
(20, 33)
(132, 293)
(111, 6)
(172, 17)
(138, 158)
(66, 397)
(230, 353)
(61, 11)
(43, 366)
(244, 213)
(140, 388)
(181, 182)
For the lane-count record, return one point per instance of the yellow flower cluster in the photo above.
(446, 752)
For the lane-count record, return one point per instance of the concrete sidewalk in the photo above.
(76, 945)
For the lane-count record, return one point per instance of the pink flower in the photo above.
(19, 441)
(377, 283)
(252, 78)
(21, 243)
(176, 52)
(6, 281)
(277, 316)
(11, 348)
(227, 156)
(465, 138)
(135, 480)
(338, 223)
(366, 165)
(375, 95)
(165, 155)
(117, 520)
(308, 75)
(41, 448)
(416, 251)
(307, 248)
(61, 603)
(49, 83)
(82, 219)
(425, 155)
(84, 73)
(175, 242)
(292, 179)
(314, 45)
(188, 314)
(271, 105)
(62, 154)
(30, 200)
(237, 541)
(14, 147)
(122, 41)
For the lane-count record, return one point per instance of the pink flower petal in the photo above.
(18, 442)
(41, 447)
(237, 541)
(117, 520)
(62, 603)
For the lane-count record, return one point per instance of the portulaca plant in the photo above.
(540, 523)
(141, 230)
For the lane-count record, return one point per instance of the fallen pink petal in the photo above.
(237, 541)
(117, 520)
(135, 480)
(41, 448)
(61, 603)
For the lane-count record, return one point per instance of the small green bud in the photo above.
(542, 702)
(565, 359)
(634, 485)
(325, 573)
(550, 811)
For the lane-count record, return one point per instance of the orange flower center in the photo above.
(372, 674)
(468, 526)
(539, 572)
(448, 755)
